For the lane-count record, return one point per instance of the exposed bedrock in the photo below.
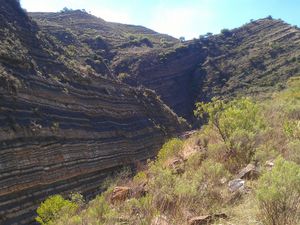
(60, 130)
(48, 137)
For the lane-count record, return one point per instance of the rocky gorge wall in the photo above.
(170, 74)
(51, 142)
(60, 130)
(257, 57)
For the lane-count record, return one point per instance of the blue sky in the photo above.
(188, 18)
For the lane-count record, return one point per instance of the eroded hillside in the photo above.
(257, 57)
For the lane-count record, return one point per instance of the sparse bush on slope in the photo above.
(278, 194)
(169, 149)
(236, 124)
(49, 210)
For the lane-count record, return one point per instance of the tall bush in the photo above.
(236, 122)
(278, 194)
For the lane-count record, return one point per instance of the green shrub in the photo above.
(194, 161)
(100, 210)
(197, 189)
(66, 9)
(51, 207)
(169, 149)
(162, 186)
(8, 82)
(140, 177)
(99, 38)
(213, 171)
(226, 32)
(77, 199)
(292, 128)
(240, 115)
(182, 121)
(278, 194)
(237, 124)
(141, 210)
(200, 190)
(265, 152)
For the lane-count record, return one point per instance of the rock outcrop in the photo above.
(207, 219)
(122, 193)
(250, 172)
(236, 185)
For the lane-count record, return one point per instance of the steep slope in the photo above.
(253, 59)
(63, 128)
(167, 71)
(132, 54)
(258, 56)
(93, 41)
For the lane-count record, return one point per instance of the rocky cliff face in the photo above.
(257, 57)
(64, 129)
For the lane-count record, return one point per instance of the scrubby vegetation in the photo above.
(52, 206)
(192, 177)
(279, 194)
(236, 125)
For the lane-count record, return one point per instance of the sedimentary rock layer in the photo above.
(48, 138)
(61, 130)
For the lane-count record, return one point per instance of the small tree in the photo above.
(182, 39)
(208, 34)
(66, 9)
(236, 123)
(226, 32)
(278, 194)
